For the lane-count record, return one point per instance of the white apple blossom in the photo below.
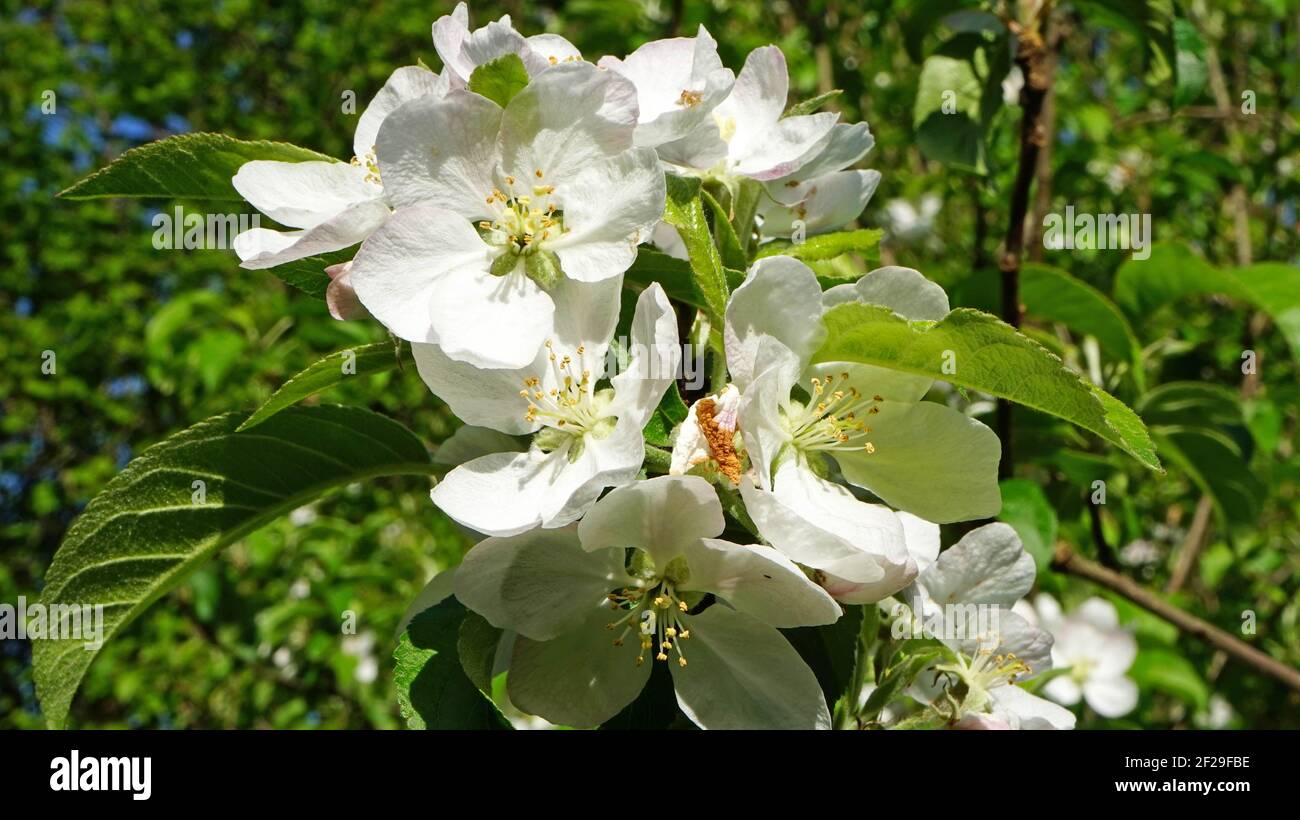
(870, 423)
(978, 687)
(822, 194)
(462, 50)
(496, 207)
(589, 614)
(1095, 650)
(333, 205)
(679, 81)
(747, 136)
(585, 437)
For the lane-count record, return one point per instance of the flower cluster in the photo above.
(499, 206)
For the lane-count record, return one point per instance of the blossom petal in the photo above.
(395, 272)
(930, 460)
(678, 82)
(742, 674)
(758, 581)
(483, 397)
(340, 296)
(1027, 711)
(822, 525)
(539, 583)
(546, 50)
(611, 461)
(302, 194)
(779, 298)
(490, 321)
(404, 84)
(261, 248)
(987, 566)
(494, 40)
(568, 118)
(826, 203)
(468, 442)
(903, 290)
(656, 357)
(761, 405)
(449, 34)
(922, 539)
(577, 678)
(662, 516)
(1064, 690)
(759, 96)
(471, 494)
(610, 207)
(441, 149)
(847, 144)
(1111, 697)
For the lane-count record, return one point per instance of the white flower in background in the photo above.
(592, 619)
(462, 51)
(868, 422)
(1094, 648)
(989, 571)
(746, 135)
(585, 438)
(821, 194)
(911, 224)
(333, 205)
(679, 81)
(496, 208)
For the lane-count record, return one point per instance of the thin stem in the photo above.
(1068, 562)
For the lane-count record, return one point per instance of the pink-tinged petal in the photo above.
(340, 296)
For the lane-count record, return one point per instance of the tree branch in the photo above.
(1033, 58)
(1067, 561)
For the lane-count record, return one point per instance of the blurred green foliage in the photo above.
(147, 342)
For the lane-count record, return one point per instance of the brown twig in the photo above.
(1191, 548)
(1067, 561)
(1032, 57)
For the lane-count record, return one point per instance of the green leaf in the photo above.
(433, 690)
(500, 80)
(811, 106)
(365, 360)
(1175, 272)
(1190, 72)
(958, 95)
(1216, 464)
(830, 651)
(898, 677)
(1053, 295)
(670, 413)
(685, 212)
(1163, 671)
(150, 527)
(826, 246)
(308, 274)
(1027, 510)
(189, 166)
(476, 646)
(733, 255)
(921, 19)
(988, 355)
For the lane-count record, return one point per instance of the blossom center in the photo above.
(987, 670)
(834, 419)
(656, 611)
(572, 409)
(371, 164)
(527, 214)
